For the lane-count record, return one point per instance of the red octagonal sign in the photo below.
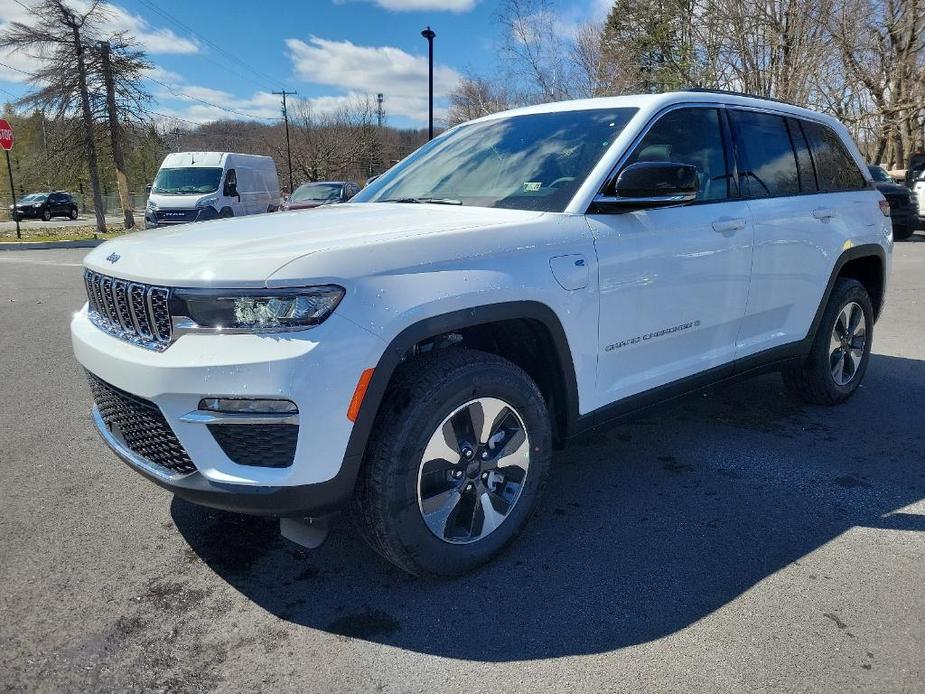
(6, 135)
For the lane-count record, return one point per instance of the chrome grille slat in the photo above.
(131, 311)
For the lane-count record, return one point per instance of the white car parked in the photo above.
(520, 279)
(199, 186)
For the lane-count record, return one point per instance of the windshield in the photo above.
(188, 180)
(317, 192)
(33, 197)
(529, 162)
(879, 174)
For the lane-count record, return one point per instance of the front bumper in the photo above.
(303, 500)
(317, 369)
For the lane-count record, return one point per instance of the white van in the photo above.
(198, 186)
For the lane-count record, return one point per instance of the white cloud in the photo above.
(361, 70)
(155, 40)
(422, 5)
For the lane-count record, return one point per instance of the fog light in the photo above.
(248, 406)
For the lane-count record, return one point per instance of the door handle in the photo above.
(823, 213)
(725, 224)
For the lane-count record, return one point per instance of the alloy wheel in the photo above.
(846, 346)
(473, 471)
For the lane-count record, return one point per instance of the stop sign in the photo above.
(6, 135)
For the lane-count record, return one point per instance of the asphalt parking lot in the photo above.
(733, 541)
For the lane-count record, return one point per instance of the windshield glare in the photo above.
(530, 162)
(316, 192)
(187, 180)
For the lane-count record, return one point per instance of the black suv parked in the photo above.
(904, 208)
(44, 206)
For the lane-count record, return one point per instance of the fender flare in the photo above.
(865, 250)
(448, 322)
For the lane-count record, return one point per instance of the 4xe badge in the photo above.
(113, 257)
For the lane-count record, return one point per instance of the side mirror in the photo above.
(372, 178)
(652, 184)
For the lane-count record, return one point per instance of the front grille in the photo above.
(134, 312)
(264, 445)
(141, 425)
(176, 216)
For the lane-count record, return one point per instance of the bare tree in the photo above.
(76, 77)
(475, 97)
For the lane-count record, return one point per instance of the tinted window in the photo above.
(769, 167)
(531, 162)
(804, 160)
(835, 167)
(689, 136)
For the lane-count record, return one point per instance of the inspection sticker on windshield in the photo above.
(532, 186)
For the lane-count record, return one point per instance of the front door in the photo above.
(673, 280)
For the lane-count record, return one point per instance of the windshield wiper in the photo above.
(435, 201)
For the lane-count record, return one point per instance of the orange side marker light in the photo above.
(354, 410)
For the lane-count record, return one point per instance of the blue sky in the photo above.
(229, 54)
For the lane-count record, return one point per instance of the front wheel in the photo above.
(455, 464)
(46, 215)
(841, 349)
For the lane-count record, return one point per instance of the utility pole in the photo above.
(176, 133)
(115, 134)
(284, 94)
(380, 113)
(430, 35)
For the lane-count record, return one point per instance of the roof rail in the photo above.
(729, 92)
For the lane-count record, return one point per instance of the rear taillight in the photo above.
(885, 207)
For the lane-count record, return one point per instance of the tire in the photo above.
(903, 232)
(46, 215)
(226, 213)
(816, 380)
(73, 213)
(395, 485)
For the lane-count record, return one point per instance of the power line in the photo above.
(231, 56)
(175, 90)
(16, 69)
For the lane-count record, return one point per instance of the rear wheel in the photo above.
(455, 464)
(901, 233)
(841, 350)
(73, 213)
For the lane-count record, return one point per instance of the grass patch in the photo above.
(46, 235)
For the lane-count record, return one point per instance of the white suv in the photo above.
(418, 352)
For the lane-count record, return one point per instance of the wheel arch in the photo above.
(866, 264)
(478, 324)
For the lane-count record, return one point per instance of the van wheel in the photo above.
(840, 351)
(226, 213)
(457, 459)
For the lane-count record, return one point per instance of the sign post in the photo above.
(6, 141)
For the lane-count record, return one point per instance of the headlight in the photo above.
(259, 310)
(36, 204)
(208, 202)
(152, 206)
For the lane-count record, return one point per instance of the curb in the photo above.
(40, 245)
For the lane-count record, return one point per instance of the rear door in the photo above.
(673, 280)
(800, 226)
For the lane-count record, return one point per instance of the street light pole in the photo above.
(429, 34)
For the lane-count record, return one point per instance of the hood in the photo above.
(305, 205)
(246, 251)
(894, 188)
(179, 202)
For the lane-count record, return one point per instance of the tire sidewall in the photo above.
(850, 291)
(46, 215)
(421, 421)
